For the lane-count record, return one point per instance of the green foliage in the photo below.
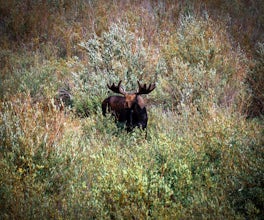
(200, 158)
(88, 93)
(199, 73)
(116, 55)
(32, 168)
(256, 83)
(31, 73)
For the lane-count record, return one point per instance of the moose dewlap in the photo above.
(129, 108)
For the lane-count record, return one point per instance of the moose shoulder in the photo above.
(129, 108)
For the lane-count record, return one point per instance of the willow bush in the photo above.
(203, 66)
(200, 158)
(116, 55)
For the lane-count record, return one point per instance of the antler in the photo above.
(144, 89)
(117, 89)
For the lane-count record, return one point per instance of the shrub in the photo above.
(256, 83)
(202, 67)
(116, 55)
(33, 171)
(31, 72)
(200, 158)
(182, 170)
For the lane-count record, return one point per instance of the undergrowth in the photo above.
(201, 156)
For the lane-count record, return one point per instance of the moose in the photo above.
(130, 108)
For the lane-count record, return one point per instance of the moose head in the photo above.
(129, 108)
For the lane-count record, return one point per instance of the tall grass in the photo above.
(202, 156)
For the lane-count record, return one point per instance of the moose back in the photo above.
(129, 108)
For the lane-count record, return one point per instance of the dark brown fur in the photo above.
(129, 108)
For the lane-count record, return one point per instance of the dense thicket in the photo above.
(202, 157)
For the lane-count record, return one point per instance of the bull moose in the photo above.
(129, 108)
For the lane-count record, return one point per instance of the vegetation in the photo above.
(202, 156)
